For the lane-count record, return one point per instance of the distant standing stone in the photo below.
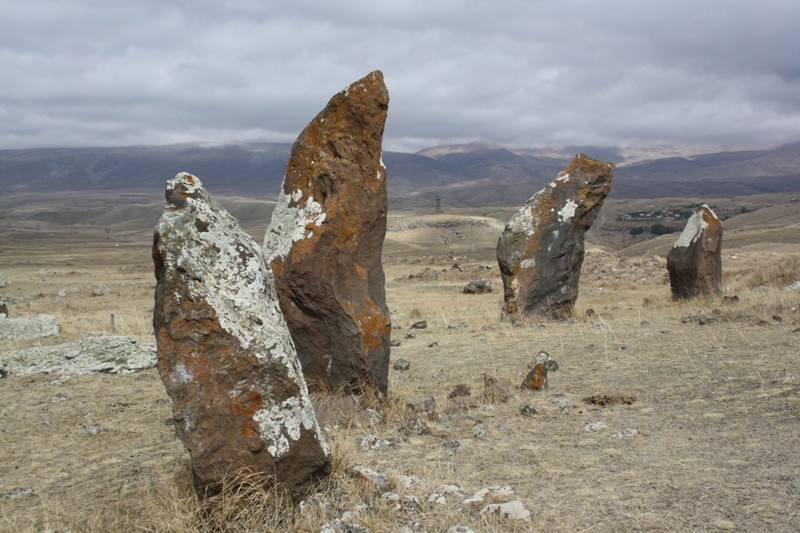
(695, 261)
(402, 364)
(325, 239)
(540, 252)
(225, 355)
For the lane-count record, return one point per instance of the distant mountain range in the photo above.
(462, 175)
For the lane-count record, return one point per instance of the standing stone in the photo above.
(695, 260)
(325, 239)
(540, 252)
(225, 355)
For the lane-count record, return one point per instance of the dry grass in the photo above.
(716, 411)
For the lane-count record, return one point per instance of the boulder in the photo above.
(325, 239)
(478, 286)
(695, 261)
(225, 355)
(540, 252)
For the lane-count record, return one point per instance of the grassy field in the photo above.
(707, 440)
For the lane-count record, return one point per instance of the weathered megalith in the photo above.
(325, 239)
(225, 355)
(540, 252)
(695, 261)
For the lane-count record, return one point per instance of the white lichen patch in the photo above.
(280, 424)
(524, 220)
(568, 211)
(562, 177)
(527, 263)
(694, 227)
(292, 221)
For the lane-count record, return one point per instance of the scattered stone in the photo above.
(529, 409)
(452, 446)
(4, 310)
(413, 426)
(16, 493)
(378, 480)
(462, 403)
(541, 251)
(444, 492)
(513, 510)
(695, 261)
(731, 299)
(422, 324)
(457, 325)
(100, 290)
(777, 318)
(374, 442)
(495, 390)
(626, 433)
(434, 344)
(109, 354)
(480, 429)
(563, 404)
(343, 526)
(478, 286)
(399, 502)
(3, 373)
(596, 426)
(476, 499)
(460, 529)
(3, 283)
(410, 482)
(409, 336)
(425, 405)
(394, 343)
(402, 364)
(94, 430)
(19, 328)
(793, 287)
(413, 527)
(225, 354)
(325, 239)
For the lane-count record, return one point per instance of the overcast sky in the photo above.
(517, 73)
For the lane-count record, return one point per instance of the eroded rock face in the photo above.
(325, 239)
(695, 261)
(224, 352)
(540, 252)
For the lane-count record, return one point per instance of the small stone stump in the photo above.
(695, 261)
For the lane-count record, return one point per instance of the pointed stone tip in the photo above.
(584, 163)
(372, 86)
(182, 187)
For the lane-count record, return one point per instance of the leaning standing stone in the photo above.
(695, 261)
(325, 239)
(540, 253)
(225, 355)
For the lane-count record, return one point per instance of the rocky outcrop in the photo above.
(108, 354)
(325, 239)
(225, 354)
(695, 261)
(540, 252)
(20, 328)
(478, 286)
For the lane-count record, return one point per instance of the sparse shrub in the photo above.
(661, 229)
(778, 274)
(638, 230)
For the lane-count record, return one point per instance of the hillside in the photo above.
(472, 175)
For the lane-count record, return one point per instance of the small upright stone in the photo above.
(225, 355)
(695, 261)
(540, 253)
(325, 239)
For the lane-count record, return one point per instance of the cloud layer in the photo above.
(512, 72)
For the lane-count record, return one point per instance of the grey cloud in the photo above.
(522, 73)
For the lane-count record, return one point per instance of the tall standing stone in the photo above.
(695, 261)
(540, 252)
(225, 355)
(325, 239)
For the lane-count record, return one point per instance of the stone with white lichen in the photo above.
(325, 239)
(225, 354)
(540, 252)
(695, 261)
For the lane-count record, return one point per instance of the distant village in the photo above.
(669, 219)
